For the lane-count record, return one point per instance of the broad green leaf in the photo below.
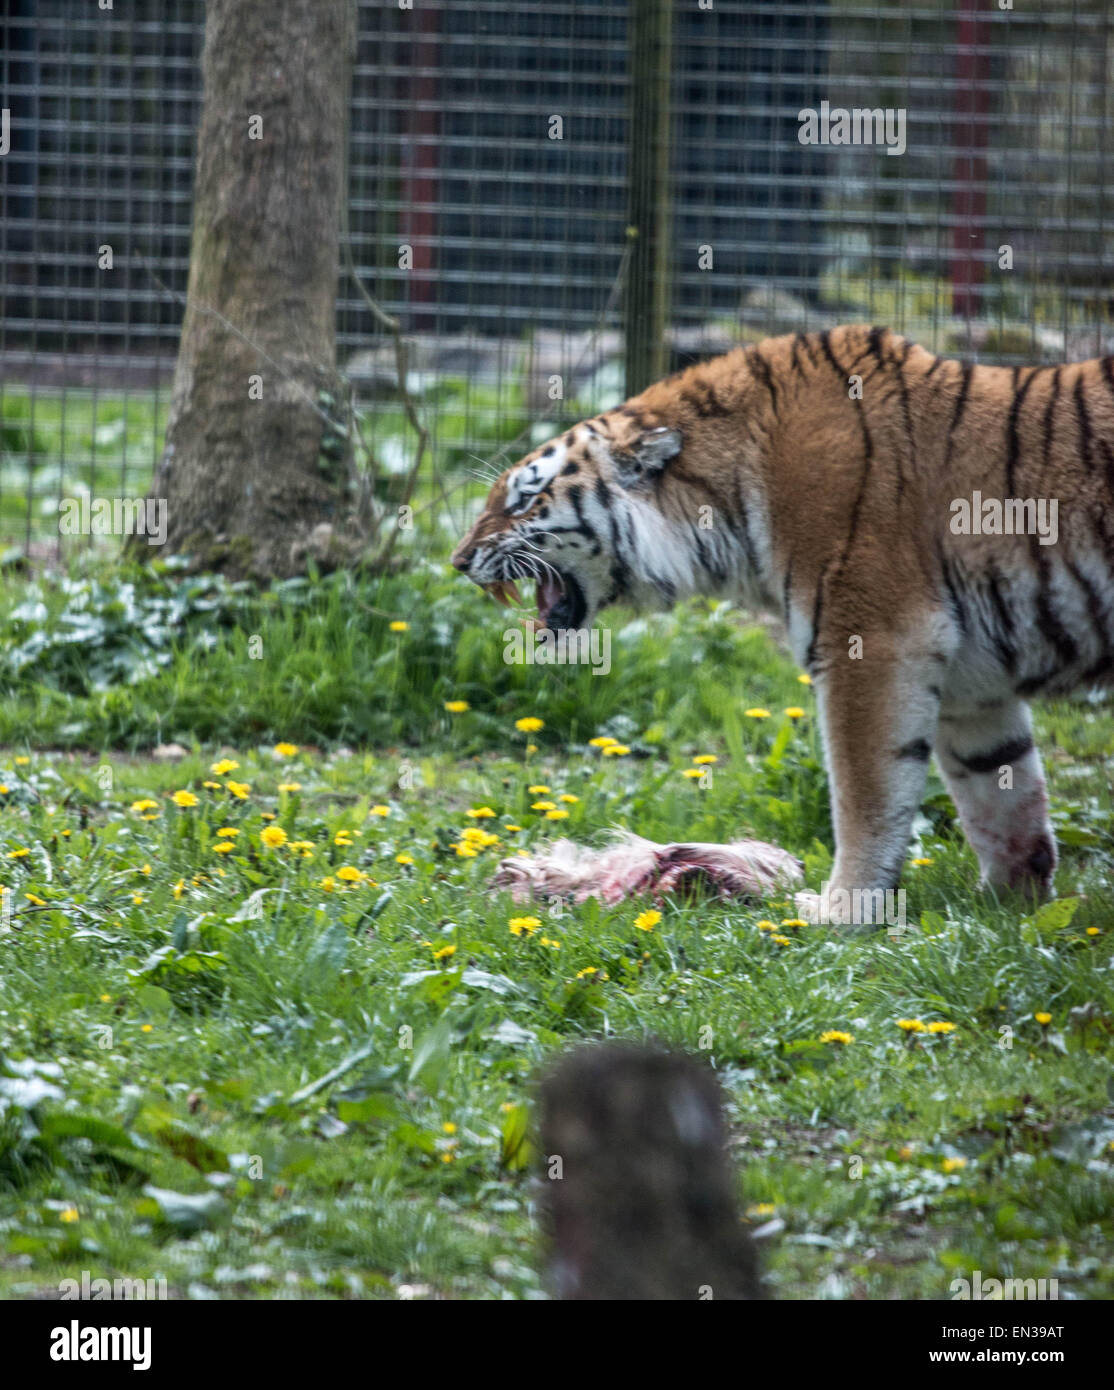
(187, 1212)
(353, 1059)
(515, 1152)
(431, 1055)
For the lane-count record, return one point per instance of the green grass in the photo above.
(286, 1053)
(135, 658)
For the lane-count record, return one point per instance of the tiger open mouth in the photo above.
(560, 599)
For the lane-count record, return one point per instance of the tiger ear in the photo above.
(649, 455)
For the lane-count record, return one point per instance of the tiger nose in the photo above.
(461, 557)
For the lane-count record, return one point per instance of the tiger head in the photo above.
(574, 515)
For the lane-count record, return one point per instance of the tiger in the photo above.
(936, 537)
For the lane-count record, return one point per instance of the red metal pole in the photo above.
(972, 103)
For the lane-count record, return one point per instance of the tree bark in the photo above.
(638, 1195)
(256, 469)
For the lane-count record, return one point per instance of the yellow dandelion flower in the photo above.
(404, 859)
(923, 863)
(184, 799)
(794, 712)
(542, 805)
(69, 1214)
(648, 920)
(290, 786)
(286, 750)
(179, 888)
(568, 798)
(35, 900)
(757, 713)
(529, 725)
(1043, 1019)
(239, 790)
(22, 760)
(1093, 931)
(224, 767)
(940, 1026)
(765, 925)
(444, 953)
(557, 815)
(212, 786)
(379, 811)
(518, 925)
(761, 1209)
(457, 706)
(603, 741)
(224, 847)
(348, 874)
(448, 1127)
(835, 1035)
(513, 828)
(703, 759)
(480, 813)
(781, 940)
(399, 626)
(804, 678)
(693, 772)
(616, 750)
(328, 883)
(20, 853)
(953, 1165)
(910, 1025)
(145, 805)
(273, 836)
(793, 922)
(538, 790)
(465, 850)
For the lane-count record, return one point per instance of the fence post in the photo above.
(646, 292)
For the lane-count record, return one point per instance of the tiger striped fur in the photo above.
(820, 477)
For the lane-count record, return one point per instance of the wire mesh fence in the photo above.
(552, 199)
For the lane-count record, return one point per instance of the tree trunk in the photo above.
(256, 467)
(638, 1194)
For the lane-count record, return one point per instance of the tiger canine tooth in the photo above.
(504, 591)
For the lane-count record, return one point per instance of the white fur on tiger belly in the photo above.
(632, 865)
